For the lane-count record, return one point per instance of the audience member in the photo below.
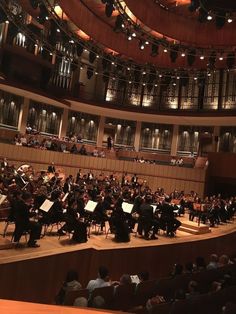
(213, 264)
(101, 281)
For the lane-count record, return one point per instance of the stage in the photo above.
(22, 267)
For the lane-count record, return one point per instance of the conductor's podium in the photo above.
(192, 227)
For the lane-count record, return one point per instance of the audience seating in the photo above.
(71, 296)
(124, 297)
(107, 293)
(144, 290)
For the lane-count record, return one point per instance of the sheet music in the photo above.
(2, 198)
(65, 197)
(90, 206)
(154, 208)
(127, 208)
(46, 205)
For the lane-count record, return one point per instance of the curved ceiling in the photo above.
(90, 17)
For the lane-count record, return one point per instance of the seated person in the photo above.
(23, 140)
(28, 129)
(71, 283)
(119, 225)
(102, 154)
(23, 222)
(95, 152)
(83, 150)
(74, 149)
(180, 162)
(173, 161)
(101, 281)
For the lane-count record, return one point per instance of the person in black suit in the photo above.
(51, 168)
(23, 222)
(147, 221)
(119, 225)
(168, 220)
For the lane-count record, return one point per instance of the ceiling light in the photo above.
(160, 75)
(97, 56)
(165, 50)
(144, 84)
(134, 34)
(177, 77)
(230, 20)
(129, 37)
(174, 84)
(113, 63)
(144, 72)
(183, 54)
(195, 78)
(128, 69)
(202, 57)
(130, 82)
(155, 85)
(146, 42)
(58, 30)
(209, 17)
(221, 58)
(208, 74)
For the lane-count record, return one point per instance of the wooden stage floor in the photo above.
(51, 245)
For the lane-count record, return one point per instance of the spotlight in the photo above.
(209, 17)
(141, 45)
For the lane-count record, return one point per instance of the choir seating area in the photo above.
(168, 177)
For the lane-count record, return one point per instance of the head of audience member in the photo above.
(71, 275)
(189, 268)
(193, 287)
(215, 286)
(103, 273)
(180, 295)
(143, 276)
(178, 270)
(81, 302)
(98, 302)
(200, 263)
(125, 280)
(213, 261)
(223, 260)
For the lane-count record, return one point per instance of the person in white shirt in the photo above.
(173, 161)
(101, 281)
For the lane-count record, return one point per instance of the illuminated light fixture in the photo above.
(129, 37)
(183, 54)
(113, 78)
(97, 56)
(160, 75)
(195, 78)
(46, 18)
(128, 69)
(221, 58)
(146, 42)
(85, 50)
(7, 22)
(174, 84)
(58, 30)
(202, 57)
(178, 77)
(141, 45)
(130, 82)
(81, 68)
(209, 17)
(165, 50)
(134, 34)
(123, 25)
(96, 73)
(144, 84)
(230, 20)
(208, 74)
(50, 53)
(156, 85)
(113, 63)
(71, 41)
(144, 72)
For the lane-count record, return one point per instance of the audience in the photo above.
(101, 281)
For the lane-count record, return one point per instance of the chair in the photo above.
(71, 296)
(144, 291)
(162, 308)
(7, 224)
(107, 293)
(124, 297)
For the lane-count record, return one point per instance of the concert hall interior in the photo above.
(117, 156)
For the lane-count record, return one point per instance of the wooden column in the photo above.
(22, 122)
(174, 143)
(100, 131)
(137, 136)
(64, 123)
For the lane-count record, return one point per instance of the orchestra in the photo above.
(27, 192)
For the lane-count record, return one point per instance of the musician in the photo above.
(40, 197)
(134, 180)
(168, 220)
(51, 168)
(4, 164)
(78, 177)
(119, 225)
(55, 213)
(147, 221)
(73, 223)
(99, 215)
(23, 222)
(68, 184)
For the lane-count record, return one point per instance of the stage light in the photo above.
(141, 45)
(209, 17)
